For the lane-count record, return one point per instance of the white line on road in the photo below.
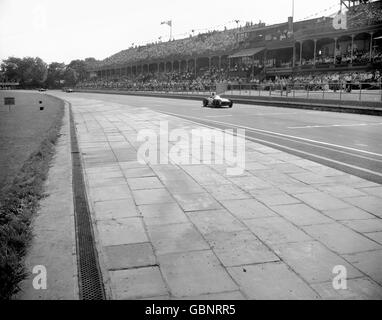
(338, 125)
(279, 134)
(288, 148)
(272, 114)
(222, 116)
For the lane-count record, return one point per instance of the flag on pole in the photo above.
(169, 23)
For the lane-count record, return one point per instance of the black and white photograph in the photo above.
(190, 156)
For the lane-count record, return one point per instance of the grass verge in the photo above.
(18, 203)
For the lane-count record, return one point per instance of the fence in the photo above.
(342, 91)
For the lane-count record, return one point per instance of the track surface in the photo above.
(348, 142)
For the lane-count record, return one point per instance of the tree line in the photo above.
(32, 72)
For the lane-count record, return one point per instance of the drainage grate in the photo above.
(89, 274)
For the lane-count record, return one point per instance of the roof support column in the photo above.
(315, 52)
(335, 50)
(371, 46)
(352, 48)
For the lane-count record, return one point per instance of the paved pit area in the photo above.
(171, 231)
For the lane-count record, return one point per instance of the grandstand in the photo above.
(346, 43)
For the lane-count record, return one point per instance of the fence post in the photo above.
(360, 91)
(340, 91)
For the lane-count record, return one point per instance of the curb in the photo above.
(62, 193)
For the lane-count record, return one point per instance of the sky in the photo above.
(64, 30)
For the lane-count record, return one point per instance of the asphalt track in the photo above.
(348, 142)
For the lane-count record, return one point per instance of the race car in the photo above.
(216, 101)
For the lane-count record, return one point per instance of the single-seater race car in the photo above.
(216, 101)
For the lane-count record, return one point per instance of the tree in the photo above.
(70, 77)
(80, 68)
(56, 73)
(10, 69)
(29, 72)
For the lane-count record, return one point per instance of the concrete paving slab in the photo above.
(212, 221)
(247, 209)
(340, 238)
(227, 192)
(153, 196)
(163, 213)
(195, 274)
(351, 213)
(370, 204)
(250, 183)
(322, 201)
(138, 172)
(115, 209)
(239, 248)
(301, 214)
(271, 281)
(357, 289)
(373, 191)
(275, 230)
(369, 225)
(313, 262)
(107, 193)
(144, 183)
(175, 238)
(310, 178)
(183, 186)
(368, 262)
(340, 191)
(137, 283)
(106, 182)
(130, 256)
(296, 188)
(376, 236)
(121, 231)
(196, 202)
(277, 199)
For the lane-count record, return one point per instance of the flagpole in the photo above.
(293, 9)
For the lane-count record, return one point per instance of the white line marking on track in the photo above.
(222, 116)
(273, 114)
(292, 149)
(338, 125)
(279, 134)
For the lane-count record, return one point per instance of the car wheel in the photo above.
(205, 103)
(231, 104)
